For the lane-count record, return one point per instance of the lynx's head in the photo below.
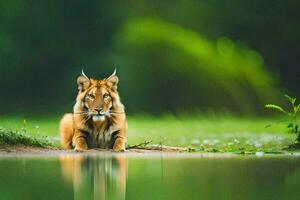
(95, 96)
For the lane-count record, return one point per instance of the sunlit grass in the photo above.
(20, 137)
(212, 134)
(226, 134)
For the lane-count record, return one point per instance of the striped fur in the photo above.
(98, 119)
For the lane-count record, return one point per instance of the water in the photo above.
(121, 176)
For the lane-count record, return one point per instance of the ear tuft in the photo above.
(112, 80)
(83, 83)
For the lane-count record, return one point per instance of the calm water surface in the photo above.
(121, 176)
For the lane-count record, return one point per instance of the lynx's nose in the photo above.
(99, 110)
(99, 116)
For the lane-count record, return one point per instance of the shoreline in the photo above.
(11, 151)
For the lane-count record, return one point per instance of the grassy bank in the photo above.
(208, 134)
(18, 138)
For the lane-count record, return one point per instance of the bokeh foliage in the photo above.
(172, 56)
(178, 69)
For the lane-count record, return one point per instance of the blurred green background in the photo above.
(180, 56)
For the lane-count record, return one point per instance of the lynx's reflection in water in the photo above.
(104, 175)
(95, 177)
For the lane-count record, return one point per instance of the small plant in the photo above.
(24, 126)
(291, 121)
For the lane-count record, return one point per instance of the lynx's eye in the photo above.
(90, 96)
(105, 96)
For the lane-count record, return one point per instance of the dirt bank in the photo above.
(38, 150)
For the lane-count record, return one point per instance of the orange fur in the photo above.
(100, 173)
(98, 119)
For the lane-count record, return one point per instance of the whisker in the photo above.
(86, 118)
(81, 113)
(112, 112)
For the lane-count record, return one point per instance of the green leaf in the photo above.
(296, 109)
(276, 107)
(290, 99)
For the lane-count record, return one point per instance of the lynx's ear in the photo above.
(112, 80)
(83, 82)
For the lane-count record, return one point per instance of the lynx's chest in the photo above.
(102, 137)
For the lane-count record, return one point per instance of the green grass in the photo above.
(208, 134)
(17, 138)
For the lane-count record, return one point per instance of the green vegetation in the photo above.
(290, 121)
(204, 134)
(210, 134)
(21, 136)
(188, 53)
(9, 137)
(201, 69)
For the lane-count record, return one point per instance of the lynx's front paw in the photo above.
(80, 149)
(119, 145)
(80, 145)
